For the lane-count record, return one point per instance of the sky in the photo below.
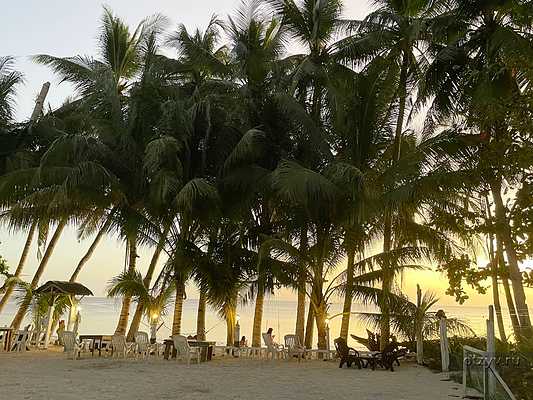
(66, 28)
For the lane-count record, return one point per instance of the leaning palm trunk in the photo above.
(137, 316)
(86, 257)
(515, 323)
(258, 315)
(504, 234)
(494, 276)
(200, 319)
(37, 276)
(11, 286)
(37, 111)
(126, 301)
(178, 308)
(39, 103)
(347, 308)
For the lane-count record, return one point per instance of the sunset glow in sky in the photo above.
(67, 28)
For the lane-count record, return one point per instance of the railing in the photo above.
(480, 378)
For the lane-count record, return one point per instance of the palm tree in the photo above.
(153, 302)
(415, 322)
(399, 33)
(474, 73)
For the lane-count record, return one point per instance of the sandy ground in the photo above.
(49, 375)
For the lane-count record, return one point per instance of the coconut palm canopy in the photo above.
(399, 142)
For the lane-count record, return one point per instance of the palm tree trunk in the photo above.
(200, 319)
(137, 316)
(515, 323)
(300, 308)
(309, 327)
(494, 276)
(347, 308)
(126, 301)
(387, 233)
(402, 93)
(320, 316)
(386, 285)
(302, 282)
(39, 103)
(497, 304)
(504, 233)
(90, 250)
(15, 324)
(20, 266)
(178, 308)
(231, 320)
(419, 325)
(258, 315)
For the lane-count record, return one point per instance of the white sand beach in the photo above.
(47, 375)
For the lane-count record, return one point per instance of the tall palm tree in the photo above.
(474, 72)
(398, 32)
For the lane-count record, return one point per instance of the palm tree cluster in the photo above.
(253, 168)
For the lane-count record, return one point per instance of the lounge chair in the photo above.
(294, 347)
(277, 350)
(347, 354)
(71, 346)
(184, 350)
(120, 346)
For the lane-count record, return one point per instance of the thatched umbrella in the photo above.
(56, 288)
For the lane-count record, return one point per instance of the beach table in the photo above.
(325, 354)
(206, 352)
(7, 337)
(370, 358)
(96, 340)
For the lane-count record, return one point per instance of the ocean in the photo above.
(100, 316)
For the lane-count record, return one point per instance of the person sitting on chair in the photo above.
(269, 333)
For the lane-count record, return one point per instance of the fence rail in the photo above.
(479, 370)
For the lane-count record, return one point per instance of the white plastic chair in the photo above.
(293, 347)
(184, 351)
(21, 339)
(120, 347)
(71, 346)
(273, 348)
(144, 348)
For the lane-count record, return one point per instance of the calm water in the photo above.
(100, 315)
